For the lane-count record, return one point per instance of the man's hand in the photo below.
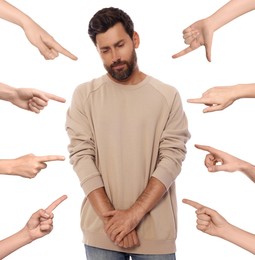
(121, 223)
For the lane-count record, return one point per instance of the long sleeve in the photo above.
(82, 144)
(172, 149)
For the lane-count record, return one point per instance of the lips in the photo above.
(118, 67)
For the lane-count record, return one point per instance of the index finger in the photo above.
(183, 52)
(50, 158)
(54, 204)
(196, 100)
(193, 204)
(55, 98)
(205, 148)
(63, 51)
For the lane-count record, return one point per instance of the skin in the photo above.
(37, 36)
(219, 98)
(116, 45)
(201, 32)
(217, 160)
(120, 225)
(27, 166)
(33, 100)
(211, 222)
(101, 203)
(124, 221)
(39, 225)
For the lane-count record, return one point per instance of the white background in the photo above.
(160, 24)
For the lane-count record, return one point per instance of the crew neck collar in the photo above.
(128, 86)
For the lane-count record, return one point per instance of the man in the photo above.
(127, 142)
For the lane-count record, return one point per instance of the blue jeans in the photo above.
(94, 253)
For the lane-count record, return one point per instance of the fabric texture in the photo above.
(121, 136)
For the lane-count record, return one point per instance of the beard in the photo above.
(122, 74)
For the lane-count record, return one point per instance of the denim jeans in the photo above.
(94, 253)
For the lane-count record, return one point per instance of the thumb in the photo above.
(216, 168)
(208, 46)
(109, 213)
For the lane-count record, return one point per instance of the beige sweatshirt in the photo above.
(120, 136)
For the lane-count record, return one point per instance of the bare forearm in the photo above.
(244, 91)
(10, 13)
(249, 170)
(6, 92)
(150, 197)
(14, 242)
(230, 11)
(100, 202)
(239, 237)
(6, 166)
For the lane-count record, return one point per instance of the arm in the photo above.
(211, 222)
(231, 10)
(11, 14)
(82, 156)
(219, 98)
(172, 152)
(27, 166)
(101, 204)
(39, 225)
(228, 162)
(122, 222)
(45, 43)
(201, 32)
(27, 98)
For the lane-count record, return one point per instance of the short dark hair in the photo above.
(106, 18)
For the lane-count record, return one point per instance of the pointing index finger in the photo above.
(183, 52)
(196, 100)
(63, 51)
(50, 158)
(55, 98)
(193, 204)
(205, 148)
(54, 204)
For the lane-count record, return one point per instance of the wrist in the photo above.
(25, 236)
(138, 211)
(7, 92)
(225, 232)
(246, 167)
(25, 22)
(211, 23)
(237, 92)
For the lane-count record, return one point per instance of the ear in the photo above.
(136, 40)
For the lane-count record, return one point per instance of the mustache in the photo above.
(117, 63)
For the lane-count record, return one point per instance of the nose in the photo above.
(115, 56)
